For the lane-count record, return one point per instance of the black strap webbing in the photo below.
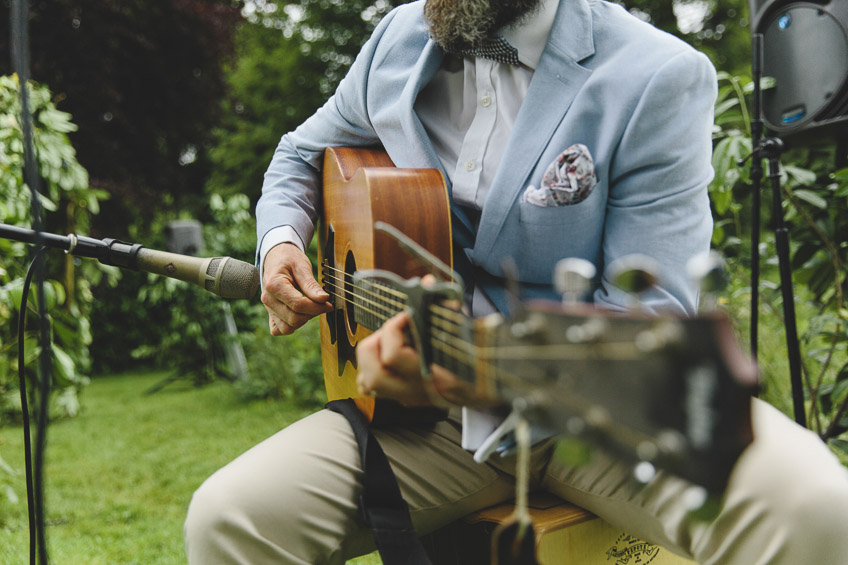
(381, 504)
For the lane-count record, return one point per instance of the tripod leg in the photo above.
(781, 236)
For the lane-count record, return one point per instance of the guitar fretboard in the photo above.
(447, 338)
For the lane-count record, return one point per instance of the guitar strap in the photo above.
(381, 504)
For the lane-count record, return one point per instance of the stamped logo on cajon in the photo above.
(628, 550)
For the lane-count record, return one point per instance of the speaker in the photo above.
(805, 50)
(185, 237)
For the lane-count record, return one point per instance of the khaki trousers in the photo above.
(292, 498)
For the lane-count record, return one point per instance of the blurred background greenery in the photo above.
(148, 113)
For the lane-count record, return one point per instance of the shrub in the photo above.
(814, 198)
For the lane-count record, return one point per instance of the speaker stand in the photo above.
(771, 148)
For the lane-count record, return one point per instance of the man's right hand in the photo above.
(289, 291)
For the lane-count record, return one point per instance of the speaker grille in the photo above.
(211, 271)
(805, 49)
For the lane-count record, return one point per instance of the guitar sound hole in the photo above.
(349, 293)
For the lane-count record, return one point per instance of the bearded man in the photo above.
(496, 94)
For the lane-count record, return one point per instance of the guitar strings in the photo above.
(359, 299)
(447, 338)
(344, 282)
(449, 320)
(610, 351)
(576, 403)
(447, 327)
(345, 274)
(453, 323)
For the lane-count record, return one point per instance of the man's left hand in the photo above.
(389, 367)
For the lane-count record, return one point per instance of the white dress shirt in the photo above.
(469, 107)
(468, 110)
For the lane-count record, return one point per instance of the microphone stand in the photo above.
(771, 148)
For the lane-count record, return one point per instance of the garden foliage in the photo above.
(814, 196)
(68, 203)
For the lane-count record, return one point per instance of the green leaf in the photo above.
(10, 495)
(63, 366)
(837, 393)
(811, 197)
(766, 83)
(843, 373)
(6, 468)
(723, 107)
(68, 401)
(573, 452)
(839, 444)
(800, 175)
(721, 201)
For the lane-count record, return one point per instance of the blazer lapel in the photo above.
(416, 143)
(556, 81)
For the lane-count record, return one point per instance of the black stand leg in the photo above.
(771, 148)
(756, 175)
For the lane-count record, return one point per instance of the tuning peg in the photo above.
(634, 273)
(521, 324)
(572, 278)
(695, 497)
(644, 472)
(708, 271)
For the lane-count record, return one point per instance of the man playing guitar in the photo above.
(564, 128)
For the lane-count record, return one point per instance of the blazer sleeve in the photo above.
(291, 188)
(658, 203)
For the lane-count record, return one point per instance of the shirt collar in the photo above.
(531, 35)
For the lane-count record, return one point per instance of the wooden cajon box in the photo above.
(565, 535)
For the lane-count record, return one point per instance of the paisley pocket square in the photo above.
(568, 180)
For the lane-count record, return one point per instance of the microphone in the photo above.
(224, 276)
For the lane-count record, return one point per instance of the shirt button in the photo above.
(486, 101)
(469, 166)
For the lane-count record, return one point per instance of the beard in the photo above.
(460, 25)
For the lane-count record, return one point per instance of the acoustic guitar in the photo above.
(668, 391)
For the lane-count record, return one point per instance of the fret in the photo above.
(485, 370)
(451, 341)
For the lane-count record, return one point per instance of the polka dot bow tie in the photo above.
(495, 48)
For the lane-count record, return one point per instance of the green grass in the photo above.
(119, 476)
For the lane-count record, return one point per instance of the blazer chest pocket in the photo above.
(578, 216)
(550, 233)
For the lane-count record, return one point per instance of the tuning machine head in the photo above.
(708, 271)
(634, 274)
(573, 278)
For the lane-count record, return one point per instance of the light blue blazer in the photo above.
(639, 99)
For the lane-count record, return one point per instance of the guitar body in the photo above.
(361, 187)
